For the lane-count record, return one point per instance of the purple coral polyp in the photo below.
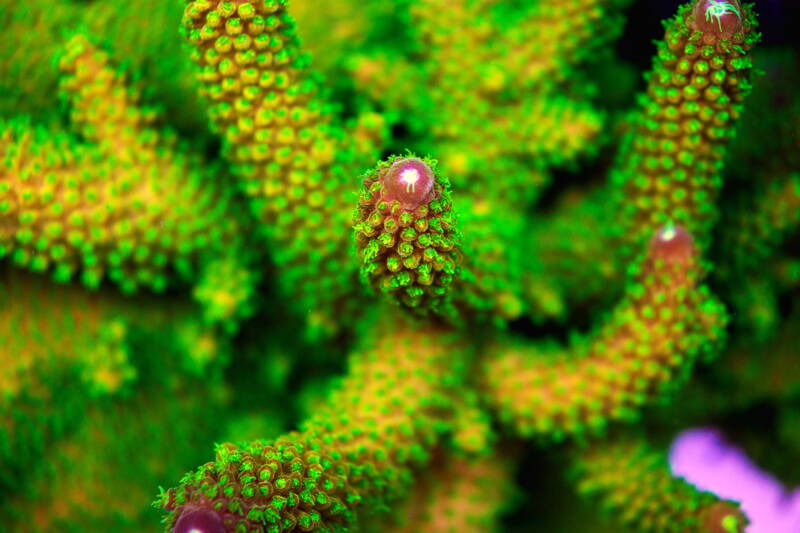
(198, 520)
(408, 180)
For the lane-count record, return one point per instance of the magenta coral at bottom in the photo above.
(704, 459)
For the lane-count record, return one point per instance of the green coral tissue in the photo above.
(422, 266)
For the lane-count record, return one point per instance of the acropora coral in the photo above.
(418, 266)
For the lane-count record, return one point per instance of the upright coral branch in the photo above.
(279, 135)
(669, 168)
(411, 248)
(406, 234)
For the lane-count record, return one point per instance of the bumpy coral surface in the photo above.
(429, 266)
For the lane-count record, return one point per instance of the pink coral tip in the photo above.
(198, 520)
(721, 18)
(673, 244)
(409, 181)
(723, 517)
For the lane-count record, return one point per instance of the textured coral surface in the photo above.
(426, 266)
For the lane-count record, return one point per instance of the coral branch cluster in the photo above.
(394, 297)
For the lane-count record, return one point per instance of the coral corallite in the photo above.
(199, 520)
(718, 18)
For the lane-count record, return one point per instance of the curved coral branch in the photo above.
(128, 207)
(646, 347)
(356, 451)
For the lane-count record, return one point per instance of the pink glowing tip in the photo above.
(409, 181)
(673, 244)
(707, 461)
(721, 18)
(198, 520)
(723, 517)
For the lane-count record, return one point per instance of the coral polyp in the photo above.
(199, 520)
(726, 15)
(409, 181)
(425, 266)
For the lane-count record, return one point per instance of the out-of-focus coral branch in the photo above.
(117, 444)
(128, 207)
(552, 251)
(455, 495)
(63, 348)
(633, 482)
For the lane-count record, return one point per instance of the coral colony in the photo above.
(459, 273)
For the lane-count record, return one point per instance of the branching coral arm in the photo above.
(358, 450)
(135, 212)
(633, 481)
(556, 35)
(411, 250)
(456, 495)
(103, 109)
(667, 169)
(669, 166)
(287, 154)
(646, 347)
